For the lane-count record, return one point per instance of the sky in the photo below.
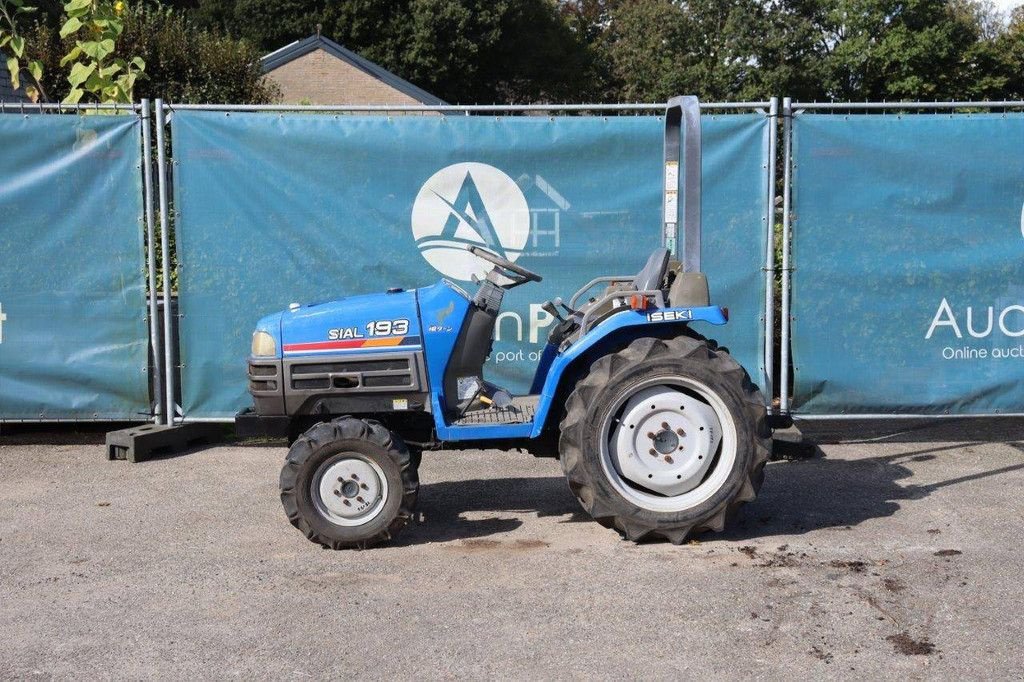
(1007, 5)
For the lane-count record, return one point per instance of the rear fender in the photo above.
(634, 321)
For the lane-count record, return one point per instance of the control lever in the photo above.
(550, 309)
(558, 301)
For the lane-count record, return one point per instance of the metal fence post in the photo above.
(154, 335)
(769, 263)
(165, 246)
(787, 191)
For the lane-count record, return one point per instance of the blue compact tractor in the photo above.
(660, 433)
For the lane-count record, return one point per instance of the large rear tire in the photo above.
(349, 483)
(665, 439)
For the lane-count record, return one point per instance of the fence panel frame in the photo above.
(141, 110)
(165, 112)
(792, 109)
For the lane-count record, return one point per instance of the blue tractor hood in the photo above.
(370, 322)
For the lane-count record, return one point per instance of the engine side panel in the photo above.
(360, 354)
(443, 309)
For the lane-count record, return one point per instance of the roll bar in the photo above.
(683, 145)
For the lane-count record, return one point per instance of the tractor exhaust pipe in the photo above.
(682, 145)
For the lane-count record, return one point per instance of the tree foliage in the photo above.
(184, 64)
(587, 50)
(98, 69)
(461, 50)
(12, 15)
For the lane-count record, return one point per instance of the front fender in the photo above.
(659, 318)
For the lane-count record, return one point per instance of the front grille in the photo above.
(397, 371)
(256, 385)
(311, 384)
(263, 377)
(395, 380)
(353, 366)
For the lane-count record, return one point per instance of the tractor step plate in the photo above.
(521, 411)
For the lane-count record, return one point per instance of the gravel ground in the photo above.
(877, 558)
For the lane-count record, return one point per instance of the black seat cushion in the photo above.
(653, 274)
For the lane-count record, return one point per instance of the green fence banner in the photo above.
(908, 289)
(274, 209)
(73, 339)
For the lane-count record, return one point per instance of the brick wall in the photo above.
(321, 78)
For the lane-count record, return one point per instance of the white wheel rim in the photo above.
(349, 490)
(681, 447)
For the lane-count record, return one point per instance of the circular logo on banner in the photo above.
(469, 203)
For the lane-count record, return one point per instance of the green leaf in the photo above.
(32, 92)
(4, 39)
(12, 67)
(78, 8)
(110, 70)
(139, 63)
(35, 67)
(79, 73)
(18, 46)
(97, 84)
(18, 3)
(74, 96)
(75, 53)
(98, 49)
(70, 26)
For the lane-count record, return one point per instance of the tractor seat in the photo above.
(650, 278)
(653, 274)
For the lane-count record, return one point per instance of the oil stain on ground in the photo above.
(908, 646)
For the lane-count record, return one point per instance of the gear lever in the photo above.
(550, 309)
(558, 301)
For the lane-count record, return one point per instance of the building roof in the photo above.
(316, 42)
(7, 93)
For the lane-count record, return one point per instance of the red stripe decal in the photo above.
(373, 342)
(325, 345)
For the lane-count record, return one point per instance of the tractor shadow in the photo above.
(815, 493)
(799, 496)
(442, 507)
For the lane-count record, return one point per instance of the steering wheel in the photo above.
(505, 264)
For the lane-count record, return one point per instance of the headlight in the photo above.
(263, 345)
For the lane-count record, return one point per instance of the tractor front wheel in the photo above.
(665, 439)
(349, 483)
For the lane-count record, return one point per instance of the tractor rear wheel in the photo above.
(665, 439)
(349, 483)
